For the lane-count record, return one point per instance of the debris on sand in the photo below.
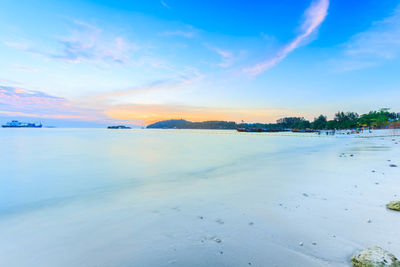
(219, 221)
(375, 256)
(369, 221)
(217, 240)
(393, 165)
(393, 205)
(304, 194)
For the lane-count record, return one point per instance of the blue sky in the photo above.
(143, 61)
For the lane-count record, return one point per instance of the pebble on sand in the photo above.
(393, 205)
(217, 240)
(393, 165)
(219, 221)
(374, 256)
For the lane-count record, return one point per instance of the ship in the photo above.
(258, 130)
(304, 131)
(18, 124)
(119, 127)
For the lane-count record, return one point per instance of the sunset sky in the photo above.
(137, 62)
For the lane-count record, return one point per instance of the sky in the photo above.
(71, 63)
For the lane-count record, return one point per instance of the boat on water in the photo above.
(18, 124)
(119, 127)
(258, 130)
(304, 131)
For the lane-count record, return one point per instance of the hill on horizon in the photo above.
(184, 124)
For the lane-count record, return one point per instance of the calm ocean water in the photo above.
(45, 166)
(98, 197)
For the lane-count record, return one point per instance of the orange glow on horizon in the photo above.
(152, 113)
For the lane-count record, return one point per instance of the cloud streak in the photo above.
(227, 58)
(165, 4)
(186, 34)
(313, 18)
(23, 68)
(380, 43)
(85, 43)
(167, 85)
(16, 101)
(89, 43)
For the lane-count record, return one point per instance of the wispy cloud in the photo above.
(17, 45)
(7, 82)
(16, 101)
(23, 68)
(118, 96)
(380, 43)
(186, 34)
(313, 18)
(90, 43)
(85, 43)
(165, 4)
(227, 57)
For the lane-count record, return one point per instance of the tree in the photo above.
(319, 123)
(332, 124)
(377, 118)
(293, 123)
(346, 120)
(305, 124)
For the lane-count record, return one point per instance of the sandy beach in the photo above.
(196, 198)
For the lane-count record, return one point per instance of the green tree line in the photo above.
(341, 120)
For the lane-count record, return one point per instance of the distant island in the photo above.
(342, 120)
(184, 124)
